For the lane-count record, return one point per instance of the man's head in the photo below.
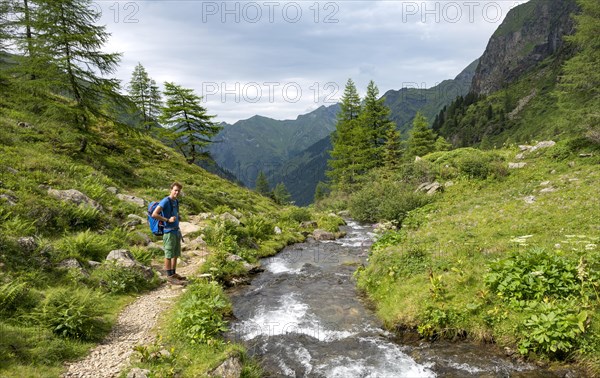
(175, 190)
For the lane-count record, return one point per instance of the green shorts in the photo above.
(172, 244)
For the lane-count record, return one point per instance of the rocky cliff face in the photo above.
(530, 33)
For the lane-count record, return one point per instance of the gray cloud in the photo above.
(281, 59)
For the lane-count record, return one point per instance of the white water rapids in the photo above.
(302, 317)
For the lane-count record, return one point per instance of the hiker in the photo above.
(168, 212)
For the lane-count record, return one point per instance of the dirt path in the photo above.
(136, 325)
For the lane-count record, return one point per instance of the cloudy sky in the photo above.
(284, 58)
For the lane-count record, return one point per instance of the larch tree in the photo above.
(32, 64)
(5, 34)
(145, 94)
(192, 128)
(155, 103)
(68, 42)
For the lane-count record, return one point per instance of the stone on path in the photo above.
(136, 325)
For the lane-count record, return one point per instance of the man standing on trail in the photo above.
(168, 212)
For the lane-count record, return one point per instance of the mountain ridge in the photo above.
(529, 34)
(290, 165)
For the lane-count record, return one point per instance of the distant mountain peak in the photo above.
(530, 33)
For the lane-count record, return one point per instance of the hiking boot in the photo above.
(174, 281)
(182, 278)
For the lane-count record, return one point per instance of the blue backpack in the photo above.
(156, 226)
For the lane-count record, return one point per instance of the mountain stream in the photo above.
(303, 317)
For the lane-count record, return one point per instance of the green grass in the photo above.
(430, 275)
(36, 335)
(31, 349)
(191, 333)
(48, 154)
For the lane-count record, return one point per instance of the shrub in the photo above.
(297, 214)
(86, 244)
(416, 172)
(221, 268)
(364, 205)
(552, 328)
(533, 275)
(336, 201)
(471, 162)
(561, 152)
(116, 279)
(199, 316)
(258, 227)
(387, 239)
(12, 295)
(395, 206)
(142, 255)
(480, 165)
(474, 167)
(385, 201)
(438, 322)
(330, 222)
(222, 209)
(222, 235)
(74, 314)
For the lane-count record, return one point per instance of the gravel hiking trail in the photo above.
(136, 325)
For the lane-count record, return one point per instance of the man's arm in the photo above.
(156, 215)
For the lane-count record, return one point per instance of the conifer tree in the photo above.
(374, 120)
(422, 139)
(392, 150)
(321, 191)
(441, 144)
(343, 156)
(31, 63)
(350, 107)
(67, 57)
(262, 185)
(144, 92)
(281, 194)
(186, 117)
(5, 34)
(155, 104)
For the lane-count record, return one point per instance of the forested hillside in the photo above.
(405, 103)
(295, 152)
(264, 144)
